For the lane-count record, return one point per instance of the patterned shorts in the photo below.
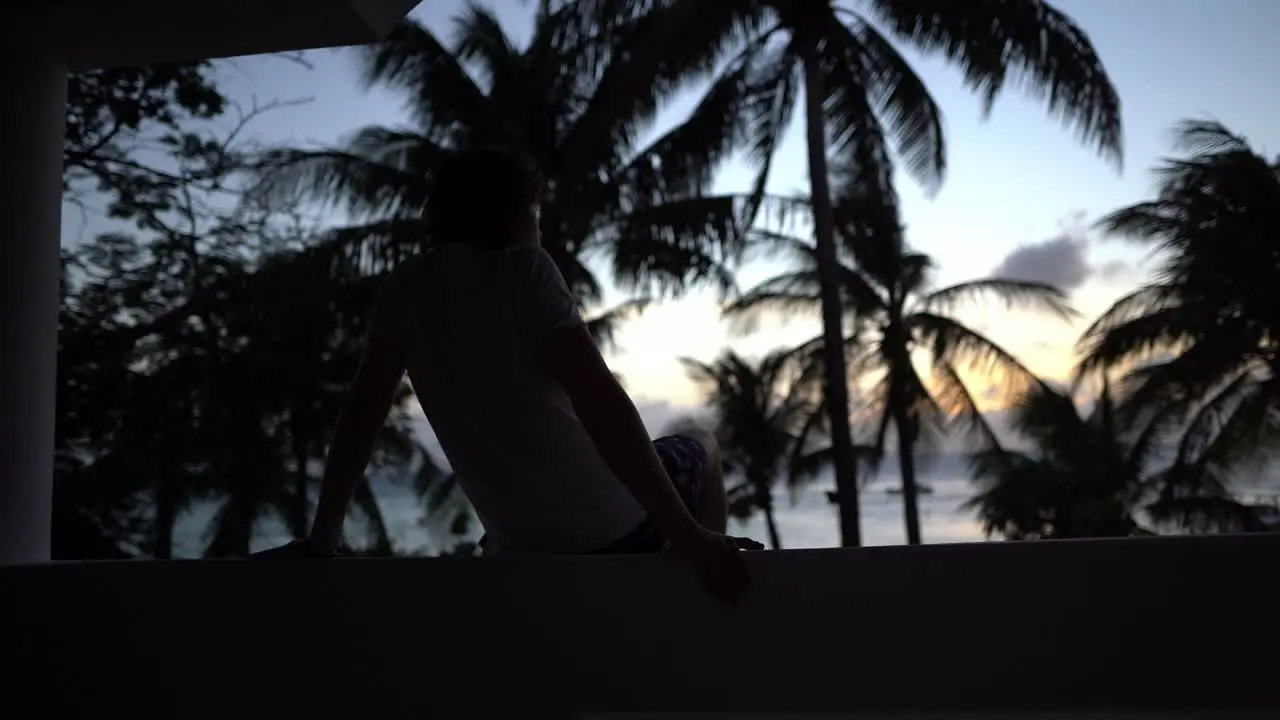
(686, 462)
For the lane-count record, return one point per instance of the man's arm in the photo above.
(369, 401)
(555, 332)
(614, 424)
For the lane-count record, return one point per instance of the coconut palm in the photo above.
(859, 91)
(897, 319)
(766, 413)
(1197, 344)
(1083, 475)
(574, 99)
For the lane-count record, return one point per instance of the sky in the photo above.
(1020, 196)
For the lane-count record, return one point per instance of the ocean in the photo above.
(806, 520)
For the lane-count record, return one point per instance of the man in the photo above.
(547, 445)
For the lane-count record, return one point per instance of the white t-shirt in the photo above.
(467, 320)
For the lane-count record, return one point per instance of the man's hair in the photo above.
(480, 195)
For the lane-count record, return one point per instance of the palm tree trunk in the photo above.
(764, 500)
(837, 374)
(302, 479)
(166, 516)
(905, 429)
(771, 524)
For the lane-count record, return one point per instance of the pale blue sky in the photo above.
(1015, 179)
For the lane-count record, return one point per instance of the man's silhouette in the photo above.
(547, 445)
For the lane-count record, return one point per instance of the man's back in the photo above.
(468, 320)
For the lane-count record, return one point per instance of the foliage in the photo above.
(861, 95)
(1197, 344)
(896, 319)
(199, 359)
(206, 337)
(576, 100)
(118, 117)
(766, 417)
(1087, 476)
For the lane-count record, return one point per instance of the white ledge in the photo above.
(1050, 627)
(106, 33)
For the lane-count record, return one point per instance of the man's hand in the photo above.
(718, 561)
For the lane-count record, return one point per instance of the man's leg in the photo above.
(715, 501)
(692, 461)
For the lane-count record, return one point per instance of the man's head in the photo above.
(487, 196)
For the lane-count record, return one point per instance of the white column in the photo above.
(32, 122)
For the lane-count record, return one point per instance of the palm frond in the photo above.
(651, 57)
(788, 294)
(684, 159)
(774, 87)
(1205, 137)
(955, 399)
(874, 90)
(1028, 42)
(667, 248)
(1161, 332)
(479, 38)
(1013, 294)
(442, 96)
(956, 344)
(377, 172)
(603, 326)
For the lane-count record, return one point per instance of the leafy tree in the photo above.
(575, 100)
(896, 320)
(115, 116)
(766, 414)
(184, 374)
(1086, 476)
(1197, 344)
(860, 93)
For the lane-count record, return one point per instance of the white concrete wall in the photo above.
(1019, 630)
(33, 85)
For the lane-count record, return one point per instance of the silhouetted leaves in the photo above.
(895, 320)
(202, 357)
(576, 100)
(1194, 349)
(1085, 476)
(765, 416)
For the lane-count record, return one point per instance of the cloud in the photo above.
(1115, 270)
(1061, 261)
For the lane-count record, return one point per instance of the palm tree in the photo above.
(897, 319)
(1086, 476)
(765, 415)
(575, 100)
(1198, 343)
(858, 90)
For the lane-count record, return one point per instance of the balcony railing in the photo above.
(1164, 627)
